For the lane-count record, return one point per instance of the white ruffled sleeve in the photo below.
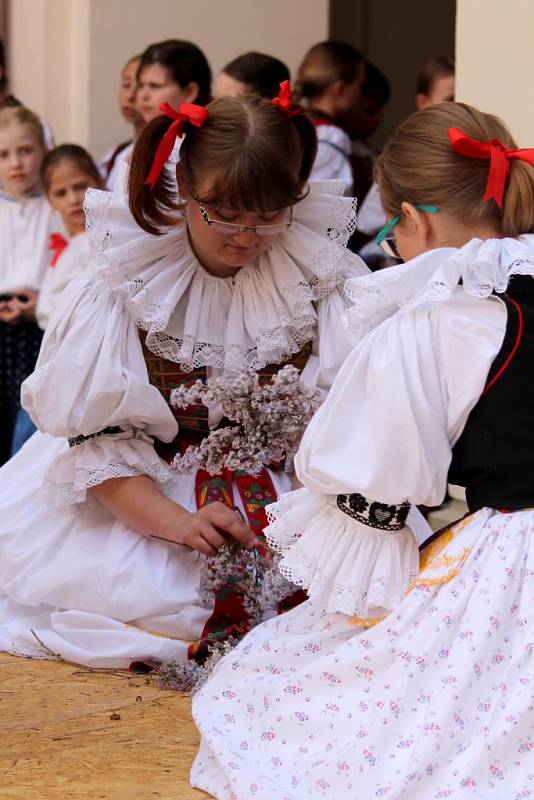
(91, 386)
(381, 442)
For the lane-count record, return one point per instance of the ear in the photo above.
(421, 101)
(336, 88)
(416, 222)
(192, 91)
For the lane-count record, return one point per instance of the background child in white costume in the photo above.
(395, 680)
(66, 174)
(127, 101)
(329, 81)
(199, 286)
(26, 221)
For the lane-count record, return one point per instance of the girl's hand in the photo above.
(24, 301)
(9, 313)
(207, 529)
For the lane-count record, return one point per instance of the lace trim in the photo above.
(16, 647)
(330, 267)
(378, 297)
(64, 494)
(353, 594)
(381, 593)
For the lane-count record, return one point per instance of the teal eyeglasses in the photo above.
(387, 242)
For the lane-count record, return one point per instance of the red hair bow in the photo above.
(498, 155)
(187, 112)
(283, 101)
(57, 244)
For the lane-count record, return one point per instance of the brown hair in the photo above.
(76, 155)
(431, 71)
(259, 156)
(418, 165)
(185, 63)
(324, 64)
(19, 115)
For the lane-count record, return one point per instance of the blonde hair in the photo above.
(19, 115)
(418, 165)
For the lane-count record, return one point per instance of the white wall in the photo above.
(65, 63)
(494, 54)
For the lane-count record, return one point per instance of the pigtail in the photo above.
(154, 209)
(308, 138)
(518, 204)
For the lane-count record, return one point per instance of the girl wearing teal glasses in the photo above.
(402, 675)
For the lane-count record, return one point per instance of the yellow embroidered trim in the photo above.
(366, 622)
(429, 560)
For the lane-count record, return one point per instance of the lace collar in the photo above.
(480, 267)
(263, 315)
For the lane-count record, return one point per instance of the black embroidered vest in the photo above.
(494, 456)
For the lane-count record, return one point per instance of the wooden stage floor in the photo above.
(71, 734)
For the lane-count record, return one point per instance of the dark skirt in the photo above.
(19, 348)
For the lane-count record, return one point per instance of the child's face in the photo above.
(127, 93)
(66, 193)
(156, 86)
(224, 254)
(20, 159)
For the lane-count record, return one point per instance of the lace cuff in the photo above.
(345, 566)
(98, 459)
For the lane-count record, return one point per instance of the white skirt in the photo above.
(79, 584)
(432, 702)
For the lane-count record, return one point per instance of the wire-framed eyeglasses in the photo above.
(233, 228)
(388, 242)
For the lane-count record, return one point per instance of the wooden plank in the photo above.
(71, 734)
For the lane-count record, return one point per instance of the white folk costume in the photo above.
(25, 228)
(71, 257)
(396, 680)
(334, 152)
(142, 318)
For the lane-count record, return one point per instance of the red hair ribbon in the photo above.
(187, 112)
(283, 101)
(57, 244)
(498, 155)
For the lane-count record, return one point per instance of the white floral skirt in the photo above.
(433, 701)
(77, 583)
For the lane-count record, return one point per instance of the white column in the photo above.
(494, 61)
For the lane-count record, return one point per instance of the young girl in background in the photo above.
(67, 172)
(172, 72)
(228, 259)
(251, 72)
(26, 222)
(435, 82)
(109, 165)
(329, 81)
(402, 679)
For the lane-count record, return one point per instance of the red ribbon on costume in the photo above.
(57, 244)
(187, 112)
(284, 102)
(498, 155)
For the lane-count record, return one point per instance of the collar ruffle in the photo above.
(480, 268)
(263, 315)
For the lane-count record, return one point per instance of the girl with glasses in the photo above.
(404, 676)
(225, 260)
